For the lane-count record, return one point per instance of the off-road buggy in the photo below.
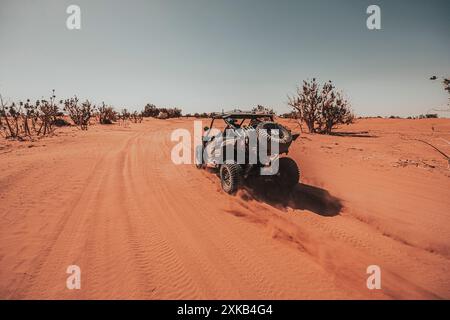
(249, 144)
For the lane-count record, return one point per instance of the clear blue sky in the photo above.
(205, 55)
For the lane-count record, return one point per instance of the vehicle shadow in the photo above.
(359, 134)
(302, 196)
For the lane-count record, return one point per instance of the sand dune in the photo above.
(111, 201)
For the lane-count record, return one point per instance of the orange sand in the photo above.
(111, 201)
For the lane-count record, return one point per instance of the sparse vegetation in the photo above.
(150, 110)
(263, 109)
(106, 114)
(26, 120)
(124, 117)
(422, 116)
(202, 115)
(136, 117)
(79, 113)
(290, 115)
(322, 108)
(446, 84)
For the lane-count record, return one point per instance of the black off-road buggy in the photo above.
(245, 147)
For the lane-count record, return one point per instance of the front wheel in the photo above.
(230, 177)
(288, 173)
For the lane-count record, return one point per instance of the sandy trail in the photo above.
(112, 202)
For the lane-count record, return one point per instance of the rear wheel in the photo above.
(230, 177)
(288, 173)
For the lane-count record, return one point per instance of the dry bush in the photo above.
(79, 113)
(106, 114)
(11, 120)
(150, 110)
(202, 115)
(290, 115)
(163, 115)
(322, 108)
(136, 117)
(28, 120)
(174, 112)
(263, 109)
(124, 114)
(170, 112)
(124, 117)
(47, 113)
(446, 84)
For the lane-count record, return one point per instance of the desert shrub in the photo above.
(136, 117)
(163, 111)
(10, 125)
(174, 112)
(263, 109)
(322, 108)
(446, 84)
(334, 109)
(47, 112)
(60, 122)
(79, 113)
(123, 117)
(290, 115)
(150, 110)
(26, 120)
(202, 115)
(169, 113)
(306, 103)
(163, 115)
(426, 116)
(125, 114)
(106, 114)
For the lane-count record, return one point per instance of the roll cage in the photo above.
(230, 118)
